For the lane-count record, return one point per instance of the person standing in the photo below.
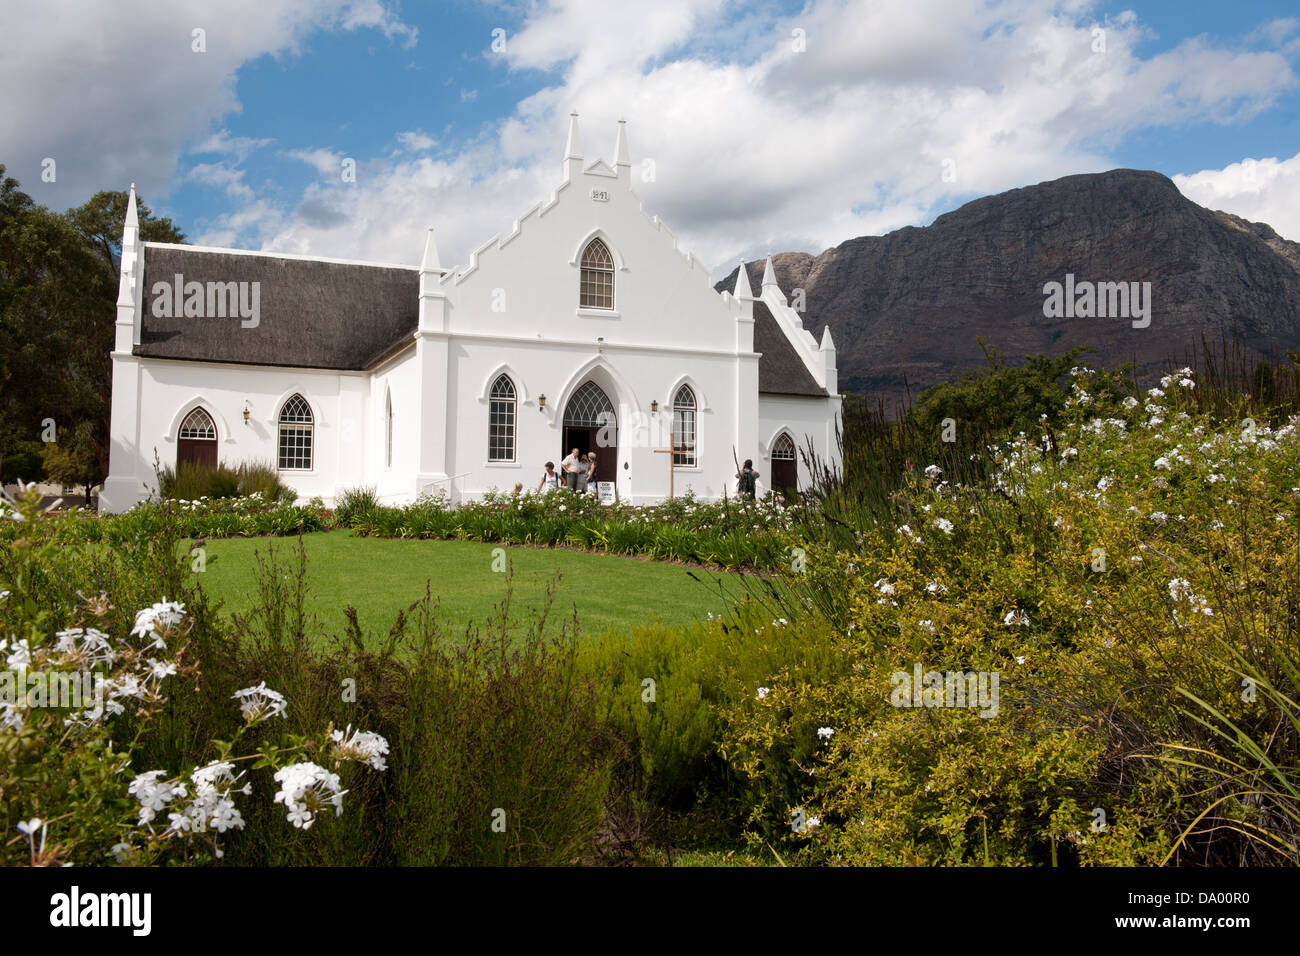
(570, 468)
(583, 467)
(591, 474)
(747, 480)
(550, 478)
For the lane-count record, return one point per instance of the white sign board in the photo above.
(605, 491)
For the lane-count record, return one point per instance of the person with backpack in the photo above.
(747, 480)
(550, 479)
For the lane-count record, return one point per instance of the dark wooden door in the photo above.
(785, 475)
(199, 451)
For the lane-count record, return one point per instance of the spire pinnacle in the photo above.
(132, 220)
(430, 261)
(769, 275)
(743, 291)
(573, 148)
(827, 345)
(620, 146)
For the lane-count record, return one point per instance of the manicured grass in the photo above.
(379, 576)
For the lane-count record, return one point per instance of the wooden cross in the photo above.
(669, 451)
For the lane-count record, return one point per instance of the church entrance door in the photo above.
(590, 424)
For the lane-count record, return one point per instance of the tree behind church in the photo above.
(58, 290)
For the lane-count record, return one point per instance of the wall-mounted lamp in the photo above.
(245, 413)
(541, 400)
(654, 405)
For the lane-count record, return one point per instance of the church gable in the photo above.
(217, 306)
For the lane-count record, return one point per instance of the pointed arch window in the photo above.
(388, 428)
(198, 425)
(684, 427)
(597, 290)
(783, 447)
(197, 440)
(502, 405)
(296, 433)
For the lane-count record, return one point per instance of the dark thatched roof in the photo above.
(313, 314)
(780, 371)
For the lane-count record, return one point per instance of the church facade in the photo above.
(586, 327)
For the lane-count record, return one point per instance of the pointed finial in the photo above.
(743, 291)
(827, 344)
(769, 275)
(620, 146)
(132, 219)
(430, 261)
(573, 149)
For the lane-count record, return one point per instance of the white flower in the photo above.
(926, 625)
(260, 703)
(1016, 617)
(1020, 659)
(813, 822)
(933, 471)
(763, 692)
(884, 587)
(825, 733)
(305, 789)
(1159, 517)
(154, 622)
(362, 746)
(935, 587)
(944, 525)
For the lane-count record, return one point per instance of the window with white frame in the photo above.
(597, 290)
(502, 403)
(296, 432)
(684, 427)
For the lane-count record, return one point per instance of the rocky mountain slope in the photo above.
(910, 306)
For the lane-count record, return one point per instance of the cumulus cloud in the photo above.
(1263, 190)
(851, 117)
(751, 131)
(115, 91)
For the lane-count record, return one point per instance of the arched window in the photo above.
(785, 471)
(296, 424)
(684, 427)
(388, 428)
(501, 420)
(597, 277)
(196, 442)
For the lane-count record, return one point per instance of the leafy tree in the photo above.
(58, 291)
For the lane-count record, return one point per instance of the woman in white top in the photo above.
(550, 479)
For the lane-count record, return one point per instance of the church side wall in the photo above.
(169, 389)
(399, 377)
(807, 419)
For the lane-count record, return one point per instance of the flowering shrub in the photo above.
(1141, 659)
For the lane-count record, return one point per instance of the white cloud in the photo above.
(1264, 190)
(416, 140)
(757, 147)
(114, 91)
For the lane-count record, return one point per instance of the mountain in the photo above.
(911, 305)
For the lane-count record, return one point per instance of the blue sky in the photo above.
(756, 146)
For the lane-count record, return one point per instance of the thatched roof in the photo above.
(780, 371)
(313, 314)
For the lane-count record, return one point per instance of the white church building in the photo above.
(587, 326)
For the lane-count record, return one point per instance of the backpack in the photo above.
(746, 484)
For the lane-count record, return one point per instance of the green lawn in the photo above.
(381, 575)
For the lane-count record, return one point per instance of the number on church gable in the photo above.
(600, 195)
